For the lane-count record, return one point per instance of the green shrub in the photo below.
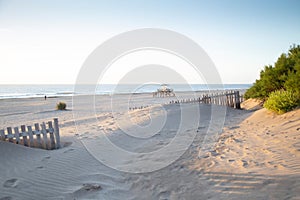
(281, 101)
(284, 74)
(61, 106)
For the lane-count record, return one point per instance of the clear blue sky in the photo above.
(39, 38)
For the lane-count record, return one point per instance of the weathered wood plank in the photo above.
(237, 100)
(44, 133)
(2, 135)
(38, 135)
(30, 133)
(231, 101)
(227, 100)
(51, 132)
(56, 133)
(17, 135)
(24, 134)
(10, 135)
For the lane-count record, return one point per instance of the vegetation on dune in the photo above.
(279, 85)
(61, 106)
(281, 101)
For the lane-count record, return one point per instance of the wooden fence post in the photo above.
(31, 144)
(38, 135)
(51, 130)
(10, 135)
(17, 135)
(56, 132)
(227, 100)
(237, 100)
(24, 134)
(233, 99)
(2, 135)
(44, 132)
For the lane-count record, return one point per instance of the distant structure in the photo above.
(164, 91)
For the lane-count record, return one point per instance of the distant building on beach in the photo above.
(164, 91)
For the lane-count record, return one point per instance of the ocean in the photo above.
(31, 91)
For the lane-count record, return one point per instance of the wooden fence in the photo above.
(34, 138)
(229, 98)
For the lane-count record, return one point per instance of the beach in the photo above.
(149, 100)
(241, 154)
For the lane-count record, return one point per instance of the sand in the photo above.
(254, 155)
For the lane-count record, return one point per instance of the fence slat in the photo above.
(237, 100)
(38, 135)
(24, 134)
(2, 135)
(231, 100)
(44, 132)
(31, 143)
(10, 135)
(56, 133)
(17, 135)
(51, 131)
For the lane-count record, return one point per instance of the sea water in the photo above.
(31, 91)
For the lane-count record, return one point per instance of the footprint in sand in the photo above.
(245, 163)
(46, 158)
(86, 188)
(211, 164)
(69, 150)
(85, 191)
(233, 127)
(164, 195)
(91, 187)
(6, 198)
(66, 144)
(11, 183)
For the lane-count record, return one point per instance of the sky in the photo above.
(47, 42)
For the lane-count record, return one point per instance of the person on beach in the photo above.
(45, 97)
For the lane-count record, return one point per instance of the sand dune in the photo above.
(256, 155)
(264, 143)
